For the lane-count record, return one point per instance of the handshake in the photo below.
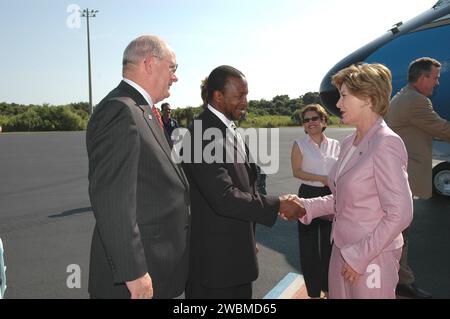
(291, 207)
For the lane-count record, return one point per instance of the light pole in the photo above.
(86, 13)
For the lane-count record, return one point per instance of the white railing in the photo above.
(2, 272)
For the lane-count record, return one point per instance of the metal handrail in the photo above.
(2, 272)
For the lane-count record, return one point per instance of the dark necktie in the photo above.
(158, 116)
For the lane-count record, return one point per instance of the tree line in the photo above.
(38, 118)
(74, 116)
(280, 105)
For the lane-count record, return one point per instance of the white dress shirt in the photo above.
(144, 93)
(232, 127)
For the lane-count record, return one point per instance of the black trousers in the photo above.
(195, 290)
(315, 246)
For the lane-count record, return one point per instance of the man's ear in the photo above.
(149, 62)
(218, 96)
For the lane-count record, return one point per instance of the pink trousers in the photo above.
(378, 282)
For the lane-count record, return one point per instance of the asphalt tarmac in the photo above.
(46, 221)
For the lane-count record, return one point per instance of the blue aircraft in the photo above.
(428, 34)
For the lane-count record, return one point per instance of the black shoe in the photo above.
(412, 291)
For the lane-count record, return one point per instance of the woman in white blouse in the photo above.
(312, 159)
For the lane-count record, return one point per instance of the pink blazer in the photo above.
(371, 199)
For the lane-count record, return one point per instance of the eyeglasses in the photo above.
(314, 119)
(173, 66)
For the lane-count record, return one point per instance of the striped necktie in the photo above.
(239, 138)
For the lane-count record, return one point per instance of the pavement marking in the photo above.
(292, 286)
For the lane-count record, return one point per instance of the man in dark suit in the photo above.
(170, 124)
(225, 202)
(139, 196)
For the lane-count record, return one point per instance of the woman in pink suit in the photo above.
(371, 199)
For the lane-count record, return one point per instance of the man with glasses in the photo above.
(139, 246)
(412, 117)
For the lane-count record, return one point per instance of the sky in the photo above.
(282, 46)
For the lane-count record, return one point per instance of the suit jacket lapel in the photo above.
(214, 121)
(155, 128)
(160, 137)
(355, 157)
(153, 124)
(361, 149)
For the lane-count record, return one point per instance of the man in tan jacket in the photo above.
(412, 117)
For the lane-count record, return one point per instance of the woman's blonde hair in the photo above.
(372, 81)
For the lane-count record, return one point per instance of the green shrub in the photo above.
(334, 120)
(4, 120)
(27, 121)
(66, 120)
(268, 121)
(44, 118)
